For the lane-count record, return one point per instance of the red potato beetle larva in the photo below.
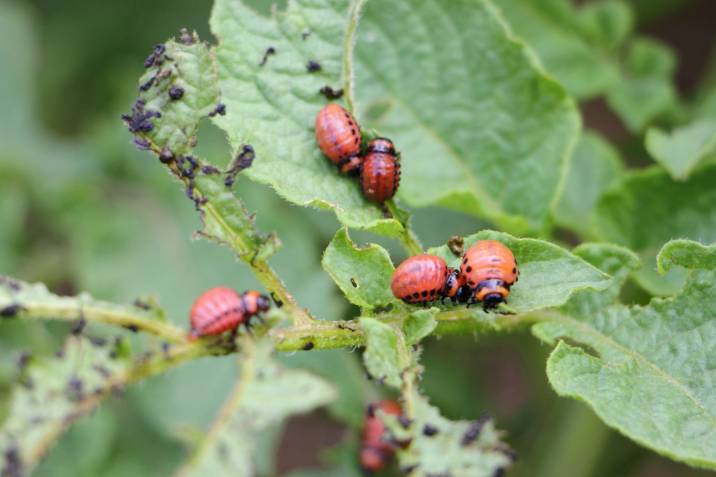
(425, 278)
(489, 269)
(375, 452)
(222, 309)
(380, 173)
(338, 136)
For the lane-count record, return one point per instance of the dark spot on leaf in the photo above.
(141, 143)
(165, 348)
(473, 431)
(147, 84)
(11, 311)
(220, 109)
(156, 57)
(353, 282)
(243, 160)
(133, 328)
(102, 370)
(97, 341)
(23, 360)
(175, 93)
(275, 299)
(305, 35)
(166, 155)
(13, 466)
(140, 119)
(313, 66)
(404, 421)
(308, 346)
(269, 51)
(141, 304)
(209, 170)
(331, 93)
(78, 326)
(429, 430)
(74, 389)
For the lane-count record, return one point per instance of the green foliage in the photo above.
(385, 357)
(681, 151)
(51, 393)
(646, 209)
(575, 44)
(482, 130)
(362, 274)
(594, 167)
(265, 395)
(644, 370)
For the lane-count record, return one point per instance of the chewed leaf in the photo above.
(362, 274)
(52, 393)
(481, 128)
(548, 274)
(265, 395)
(439, 446)
(681, 151)
(272, 99)
(646, 370)
(687, 254)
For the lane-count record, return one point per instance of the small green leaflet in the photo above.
(682, 150)
(265, 394)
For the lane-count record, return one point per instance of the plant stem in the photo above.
(408, 238)
(349, 41)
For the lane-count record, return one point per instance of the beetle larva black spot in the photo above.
(313, 66)
(331, 93)
(269, 51)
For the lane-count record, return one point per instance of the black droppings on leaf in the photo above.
(78, 326)
(97, 341)
(473, 431)
(75, 389)
(220, 109)
(276, 300)
(209, 170)
(166, 155)
(10, 311)
(60, 353)
(140, 119)
(156, 57)
(383, 308)
(142, 144)
(175, 93)
(500, 472)
(132, 328)
(165, 348)
(354, 283)
(242, 161)
(13, 466)
(12, 284)
(147, 84)
(429, 430)
(331, 93)
(305, 35)
(313, 66)
(269, 51)
(404, 421)
(141, 304)
(308, 346)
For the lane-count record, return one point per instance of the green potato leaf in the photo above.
(265, 395)
(481, 128)
(682, 150)
(647, 208)
(595, 165)
(646, 371)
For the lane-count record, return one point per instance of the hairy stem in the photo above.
(349, 41)
(408, 238)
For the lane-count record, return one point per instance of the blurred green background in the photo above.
(81, 209)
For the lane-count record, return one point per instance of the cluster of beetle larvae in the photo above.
(487, 270)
